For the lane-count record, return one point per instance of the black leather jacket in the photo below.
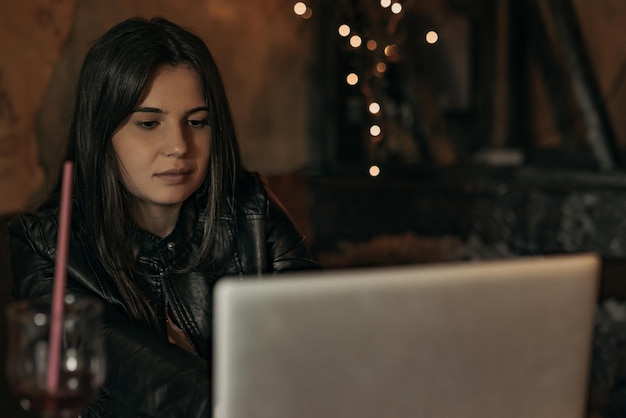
(147, 376)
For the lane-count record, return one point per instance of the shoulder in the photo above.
(46, 218)
(38, 228)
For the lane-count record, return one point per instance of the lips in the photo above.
(174, 172)
(174, 176)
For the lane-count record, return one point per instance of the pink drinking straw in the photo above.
(60, 276)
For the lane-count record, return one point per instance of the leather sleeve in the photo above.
(144, 374)
(267, 240)
(154, 378)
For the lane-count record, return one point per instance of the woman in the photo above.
(162, 208)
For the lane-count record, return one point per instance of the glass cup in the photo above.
(81, 363)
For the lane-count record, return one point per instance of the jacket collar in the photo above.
(170, 247)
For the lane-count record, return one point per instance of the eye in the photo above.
(198, 123)
(147, 124)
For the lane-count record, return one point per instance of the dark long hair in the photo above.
(112, 79)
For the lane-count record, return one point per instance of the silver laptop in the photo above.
(490, 339)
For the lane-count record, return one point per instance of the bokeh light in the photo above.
(432, 37)
(374, 108)
(355, 41)
(374, 171)
(352, 79)
(344, 30)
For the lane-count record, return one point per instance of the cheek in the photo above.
(132, 153)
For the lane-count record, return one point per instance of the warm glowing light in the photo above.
(375, 130)
(396, 8)
(385, 3)
(374, 171)
(374, 108)
(371, 45)
(299, 8)
(355, 41)
(432, 37)
(381, 67)
(391, 50)
(344, 30)
(352, 79)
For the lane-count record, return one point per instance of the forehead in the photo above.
(173, 85)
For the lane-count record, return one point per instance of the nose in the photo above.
(174, 143)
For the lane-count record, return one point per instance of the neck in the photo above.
(159, 221)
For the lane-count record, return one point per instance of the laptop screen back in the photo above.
(491, 339)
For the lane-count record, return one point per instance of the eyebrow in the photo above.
(157, 110)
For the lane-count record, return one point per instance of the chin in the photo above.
(173, 200)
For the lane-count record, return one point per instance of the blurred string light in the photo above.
(355, 41)
(344, 30)
(381, 68)
(375, 130)
(374, 171)
(432, 37)
(374, 108)
(392, 52)
(383, 53)
(376, 134)
(396, 8)
(302, 10)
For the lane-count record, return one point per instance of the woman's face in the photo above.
(163, 145)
